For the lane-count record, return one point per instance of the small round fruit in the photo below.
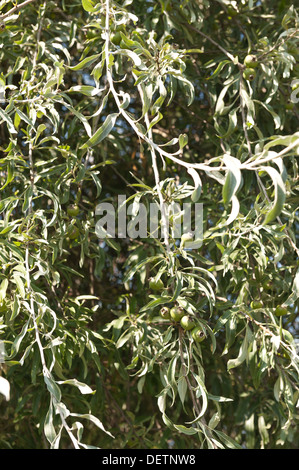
(198, 334)
(249, 74)
(280, 311)
(290, 106)
(256, 304)
(73, 210)
(165, 313)
(231, 11)
(267, 285)
(116, 38)
(73, 232)
(176, 313)
(156, 284)
(187, 323)
(251, 61)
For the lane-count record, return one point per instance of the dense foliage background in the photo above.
(91, 94)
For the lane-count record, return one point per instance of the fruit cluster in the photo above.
(251, 63)
(177, 314)
(73, 211)
(279, 311)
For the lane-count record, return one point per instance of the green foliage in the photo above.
(148, 99)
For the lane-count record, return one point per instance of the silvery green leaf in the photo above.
(5, 388)
(84, 388)
(280, 194)
(197, 184)
(132, 55)
(243, 352)
(5, 117)
(87, 90)
(102, 132)
(94, 420)
(85, 62)
(49, 428)
(233, 178)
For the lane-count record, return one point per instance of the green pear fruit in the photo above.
(187, 323)
(176, 313)
(156, 284)
(165, 313)
(249, 74)
(73, 210)
(198, 334)
(251, 61)
(280, 311)
(256, 304)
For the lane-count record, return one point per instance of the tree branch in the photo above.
(230, 56)
(16, 8)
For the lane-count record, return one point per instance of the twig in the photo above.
(123, 178)
(164, 216)
(266, 330)
(277, 45)
(230, 56)
(148, 140)
(249, 165)
(15, 8)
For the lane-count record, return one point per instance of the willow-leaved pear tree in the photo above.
(135, 339)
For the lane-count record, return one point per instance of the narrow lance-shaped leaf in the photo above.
(88, 5)
(49, 428)
(85, 62)
(232, 180)
(78, 115)
(294, 296)
(201, 391)
(135, 58)
(280, 194)
(20, 284)
(24, 118)
(3, 289)
(97, 183)
(276, 117)
(5, 388)
(235, 210)
(87, 90)
(156, 119)
(182, 388)
(197, 184)
(52, 387)
(17, 342)
(184, 430)
(94, 420)
(84, 388)
(243, 351)
(102, 132)
(5, 117)
(285, 140)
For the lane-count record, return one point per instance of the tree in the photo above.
(154, 104)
